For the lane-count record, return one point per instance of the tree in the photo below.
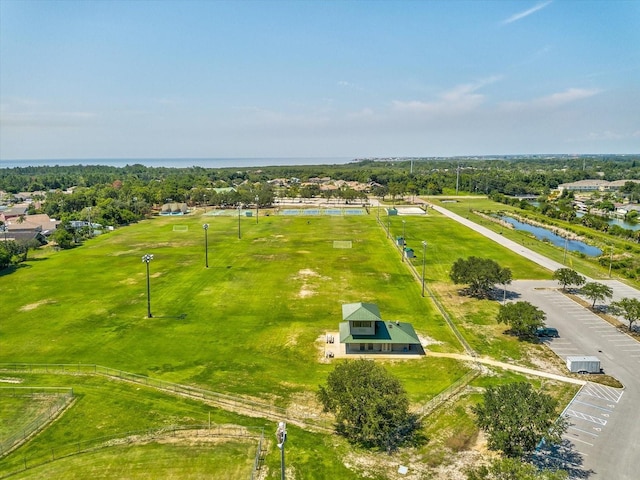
(516, 417)
(513, 469)
(568, 276)
(370, 405)
(629, 308)
(523, 318)
(596, 291)
(481, 274)
(63, 238)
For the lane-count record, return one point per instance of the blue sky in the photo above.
(163, 79)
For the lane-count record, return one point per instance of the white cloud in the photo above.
(45, 119)
(554, 100)
(461, 98)
(526, 13)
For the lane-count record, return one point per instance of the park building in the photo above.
(363, 331)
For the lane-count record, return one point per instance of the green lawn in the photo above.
(230, 459)
(248, 325)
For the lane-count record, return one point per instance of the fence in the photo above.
(141, 436)
(227, 402)
(446, 394)
(434, 299)
(258, 460)
(62, 398)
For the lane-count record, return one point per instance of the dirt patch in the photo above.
(32, 306)
(11, 380)
(306, 275)
(305, 292)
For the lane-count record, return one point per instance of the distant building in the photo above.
(594, 185)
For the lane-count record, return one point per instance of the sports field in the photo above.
(251, 324)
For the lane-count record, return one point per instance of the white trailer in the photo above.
(583, 364)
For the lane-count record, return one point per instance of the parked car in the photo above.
(547, 332)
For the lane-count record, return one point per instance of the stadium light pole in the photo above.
(206, 245)
(281, 437)
(239, 235)
(257, 208)
(610, 259)
(404, 242)
(424, 260)
(147, 259)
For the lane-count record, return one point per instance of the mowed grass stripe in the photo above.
(248, 323)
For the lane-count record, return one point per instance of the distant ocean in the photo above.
(182, 162)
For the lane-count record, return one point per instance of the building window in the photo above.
(362, 324)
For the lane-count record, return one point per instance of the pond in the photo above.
(544, 234)
(617, 221)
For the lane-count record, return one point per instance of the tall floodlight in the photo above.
(239, 209)
(257, 207)
(147, 259)
(424, 261)
(610, 259)
(206, 245)
(404, 242)
(281, 437)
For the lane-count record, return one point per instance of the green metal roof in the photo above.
(386, 332)
(360, 311)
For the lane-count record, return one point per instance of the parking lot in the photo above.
(603, 432)
(590, 415)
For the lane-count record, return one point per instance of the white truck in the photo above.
(584, 364)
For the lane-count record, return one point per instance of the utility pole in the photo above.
(281, 437)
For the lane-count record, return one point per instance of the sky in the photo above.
(214, 79)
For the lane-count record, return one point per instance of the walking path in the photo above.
(509, 366)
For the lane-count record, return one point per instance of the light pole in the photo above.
(403, 241)
(610, 259)
(239, 235)
(147, 259)
(257, 207)
(564, 257)
(281, 437)
(424, 261)
(206, 245)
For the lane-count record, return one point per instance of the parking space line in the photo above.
(582, 431)
(592, 405)
(574, 438)
(584, 416)
(603, 392)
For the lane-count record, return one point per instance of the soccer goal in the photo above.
(181, 228)
(342, 244)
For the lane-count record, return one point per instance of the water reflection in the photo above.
(544, 234)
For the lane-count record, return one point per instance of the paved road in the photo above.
(605, 431)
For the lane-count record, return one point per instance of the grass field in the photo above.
(248, 325)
